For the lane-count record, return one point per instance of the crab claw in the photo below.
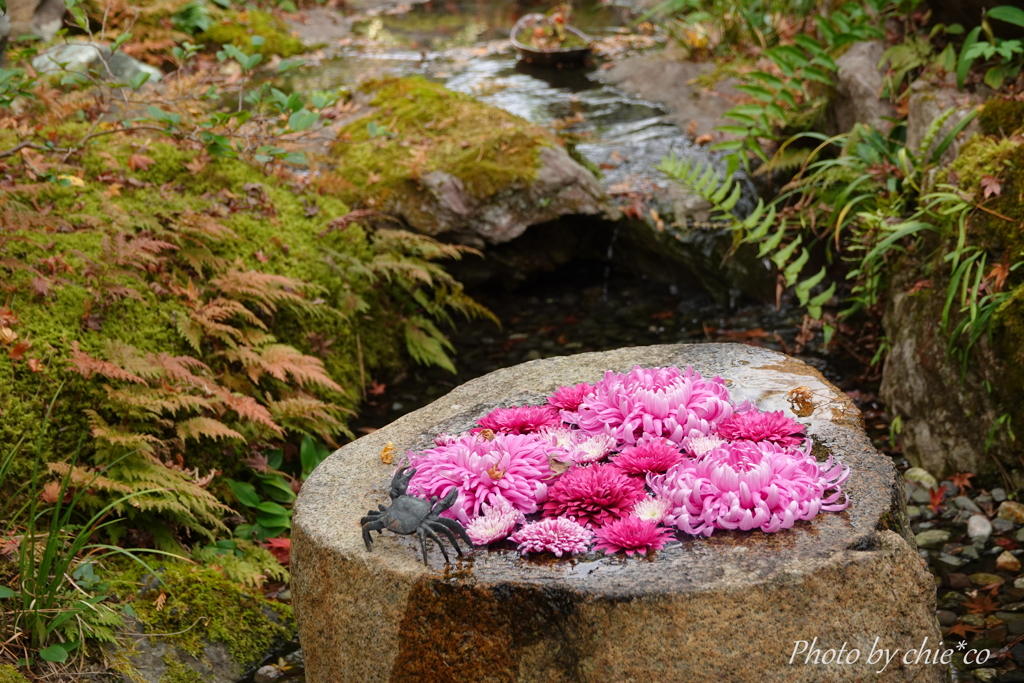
(446, 502)
(400, 482)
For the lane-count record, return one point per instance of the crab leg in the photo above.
(454, 526)
(432, 524)
(423, 544)
(437, 540)
(375, 525)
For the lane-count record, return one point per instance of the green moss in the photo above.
(421, 127)
(1001, 116)
(202, 607)
(179, 673)
(8, 674)
(1002, 159)
(239, 28)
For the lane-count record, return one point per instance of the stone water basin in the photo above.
(730, 608)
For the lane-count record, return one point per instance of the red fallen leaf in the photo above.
(1006, 543)
(260, 256)
(962, 480)
(281, 549)
(139, 162)
(919, 285)
(19, 350)
(936, 499)
(376, 389)
(258, 462)
(35, 365)
(981, 604)
(963, 629)
(991, 186)
(50, 493)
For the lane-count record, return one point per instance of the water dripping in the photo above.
(608, 267)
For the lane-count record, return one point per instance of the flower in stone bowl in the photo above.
(558, 535)
(747, 485)
(663, 402)
(753, 425)
(570, 398)
(593, 495)
(509, 468)
(632, 535)
(496, 523)
(520, 420)
(650, 455)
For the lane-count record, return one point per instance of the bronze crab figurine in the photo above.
(410, 515)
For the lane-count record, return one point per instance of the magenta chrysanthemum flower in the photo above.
(520, 419)
(593, 495)
(747, 485)
(658, 402)
(558, 535)
(494, 524)
(651, 509)
(650, 455)
(698, 446)
(569, 398)
(510, 468)
(753, 425)
(633, 535)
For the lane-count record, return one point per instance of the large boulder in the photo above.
(452, 166)
(858, 89)
(732, 607)
(34, 17)
(84, 57)
(929, 101)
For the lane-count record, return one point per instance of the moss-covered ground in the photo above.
(418, 127)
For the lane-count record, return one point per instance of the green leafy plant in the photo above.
(1003, 57)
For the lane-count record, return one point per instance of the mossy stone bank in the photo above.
(729, 608)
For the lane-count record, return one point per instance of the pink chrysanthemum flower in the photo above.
(511, 468)
(651, 509)
(747, 485)
(656, 401)
(520, 419)
(698, 446)
(494, 524)
(633, 535)
(445, 439)
(569, 398)
(753, 425)
(593, 495)
(650, 455)
(558, 535)
(572, 445)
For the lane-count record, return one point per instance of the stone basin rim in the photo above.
(828, 539)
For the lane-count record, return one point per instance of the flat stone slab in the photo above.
(733, 607)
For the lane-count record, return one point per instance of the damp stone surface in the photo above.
(733, 607)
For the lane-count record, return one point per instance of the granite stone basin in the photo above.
(733, 607)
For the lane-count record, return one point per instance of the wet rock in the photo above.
(998, 494)
(858, 89)
(85, 57)
(932, 538)
(970, 551)
(1012, 676)
(985, 579)
(1011, 511)
(267, 674)
(965, 503)
(383, 616)
(1001, 526)
(947, 562)
(958, 581)
(922, 477)
(919, 495)
(672, 83)
(979, 528)
(985, 675)
(945, 617)
(1007, 562)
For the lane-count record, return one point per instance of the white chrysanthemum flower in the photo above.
(699, 446)
(593, 449)
(651, 509)
(494, 524)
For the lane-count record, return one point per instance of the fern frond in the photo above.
(87, 366)
(197, 427)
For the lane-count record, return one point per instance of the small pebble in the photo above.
(1011, 511)
(985, 579)
(920, 496)
(922, 477)
(985, 675)
(970, 551)
(998, 494)
(958, 581)
(979, 528)
(267, 674)
(1018, 583)
(1007, 562)
(973, 620)
(1019, 536)
(946, 617)
(948, 562)
(965, 503)
(932, 538)
(1002, 525)
(913, 511)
